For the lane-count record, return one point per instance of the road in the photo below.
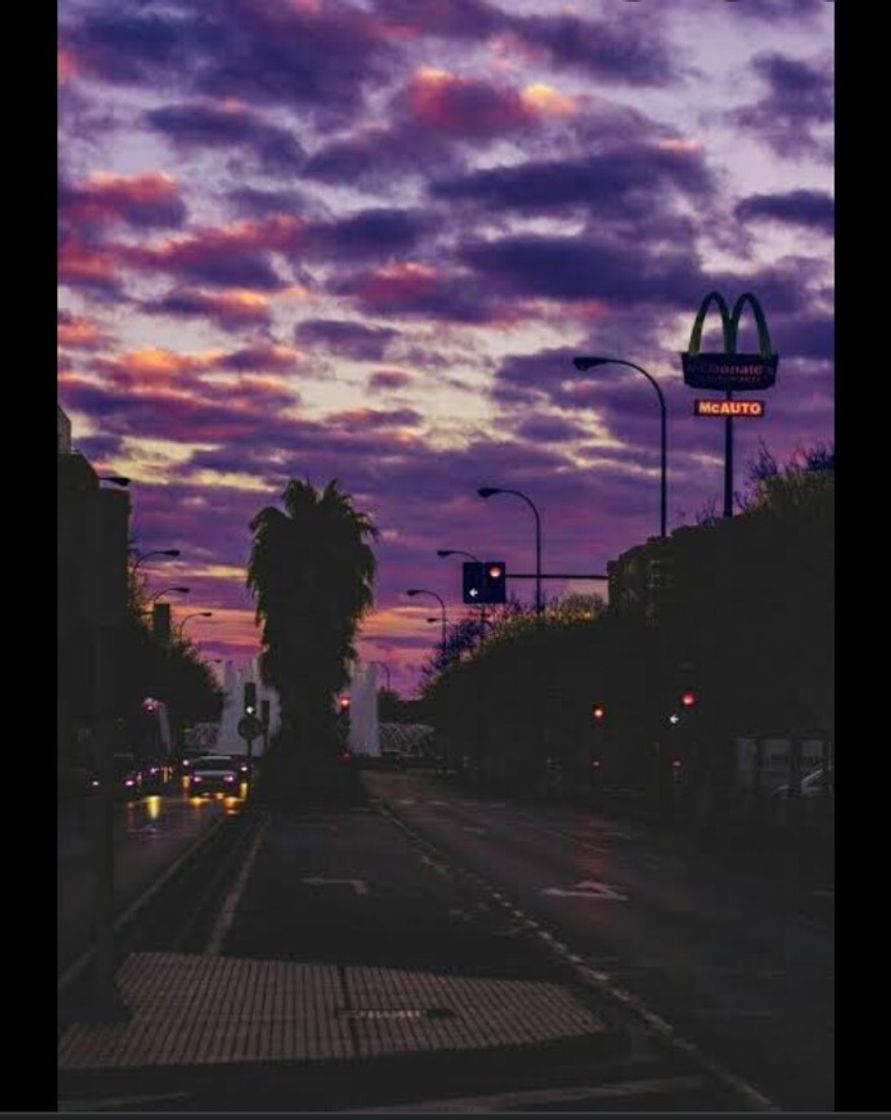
(150, 833)
(731, 964)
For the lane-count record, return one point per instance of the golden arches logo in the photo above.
(730, 370)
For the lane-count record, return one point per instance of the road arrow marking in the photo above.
(588, 888)
(358, 885)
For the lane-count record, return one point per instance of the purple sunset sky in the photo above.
(364, 239)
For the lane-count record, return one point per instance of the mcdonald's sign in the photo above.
(753, 409)
(729, 370)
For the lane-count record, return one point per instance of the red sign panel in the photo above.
(752, 409)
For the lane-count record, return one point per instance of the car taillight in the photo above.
(196, 777)
(228, 777)
(129, 782)
(94, 782)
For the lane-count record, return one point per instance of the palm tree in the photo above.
(310, 572)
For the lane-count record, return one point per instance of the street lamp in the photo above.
(167, 591)
(423, 591)
(590, 363)
(443, 553)
(488, 492)
(194, 614)
(117, 479)
(173, 553)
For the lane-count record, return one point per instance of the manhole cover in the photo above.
(366, 1013)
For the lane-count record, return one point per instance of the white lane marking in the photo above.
(227, 913)
(358, 885)
(503, 1101)
(406, 801)
(587, 888)
(119, 1103)
(474, 829)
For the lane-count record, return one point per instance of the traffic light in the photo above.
(344, 703)
(494, 582)
(484, 583)
(688, 698)
(473, 582)
(250, 698)
(598, 713)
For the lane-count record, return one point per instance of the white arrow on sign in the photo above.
(358, 885)
(588, 888)
(473, 592)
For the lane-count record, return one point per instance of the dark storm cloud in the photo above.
(809, 335)
(811, 209)
(349, 339)
(799, 99)
(622, 182)
(197, 125)
(383, 233)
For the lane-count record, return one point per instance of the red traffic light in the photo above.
(688, 698)
(598, 712)
(496, 571)
(344, 703)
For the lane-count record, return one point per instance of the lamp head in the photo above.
(588, 363)
(442, 552)
(413, 591)
(173, 553)
(488, 491)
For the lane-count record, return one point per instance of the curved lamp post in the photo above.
(194, 614)
(589, 363)
(167, 591)
(488, 492)
(172, 553)
(423, 591)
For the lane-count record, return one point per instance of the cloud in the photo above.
(383, 380)
(147, 200)
(231, 309)
(798, 101)
(229, 256)
(379, 232)
(811, 209)
(465, 107)
(80, 332)
(228, 125)
(377, 418)
(346, 338)
(411, 288)
(626, 181)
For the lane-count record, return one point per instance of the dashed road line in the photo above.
(227, 912)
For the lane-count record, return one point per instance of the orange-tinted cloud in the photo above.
(80, 332)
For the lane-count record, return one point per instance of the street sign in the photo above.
(729, 370)
(755, 410)
(249, 727)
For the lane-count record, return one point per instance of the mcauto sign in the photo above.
(752, 409)
(729, 370)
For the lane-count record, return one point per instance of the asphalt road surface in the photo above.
(742, 968)
(150, 833)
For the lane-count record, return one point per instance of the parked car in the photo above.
(213, 774)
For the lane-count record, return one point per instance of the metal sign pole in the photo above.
(728, 462)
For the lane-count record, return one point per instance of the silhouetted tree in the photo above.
(310, 572)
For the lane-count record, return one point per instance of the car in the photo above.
(128, 776)
(155, 775)
(243, 765)
(213, 774)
